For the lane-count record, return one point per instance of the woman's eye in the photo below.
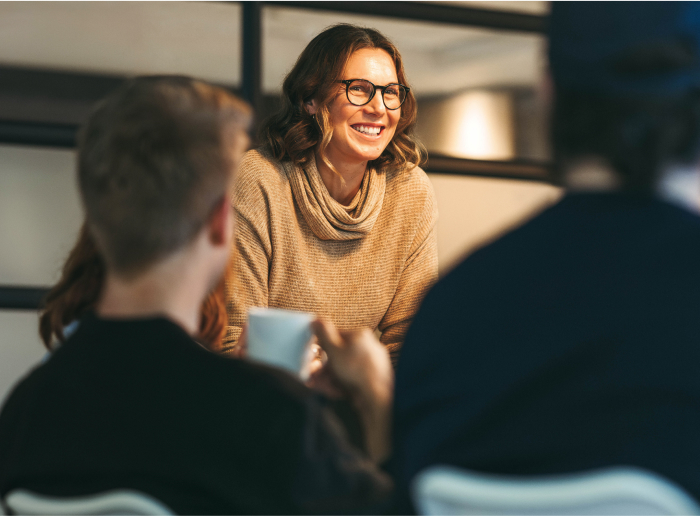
(392, 91)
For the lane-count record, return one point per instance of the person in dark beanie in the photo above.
(571, 343)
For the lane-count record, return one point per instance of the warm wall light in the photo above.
(473, 124)
(481, 126)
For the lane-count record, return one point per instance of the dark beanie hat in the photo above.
(631, 49)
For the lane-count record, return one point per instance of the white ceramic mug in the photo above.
(280, 338)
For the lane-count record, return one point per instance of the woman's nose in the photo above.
(376, 105)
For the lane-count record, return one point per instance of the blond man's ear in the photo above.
(220, 224)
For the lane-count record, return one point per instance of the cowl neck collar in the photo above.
(327, 218)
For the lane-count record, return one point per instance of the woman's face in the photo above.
(361, 133)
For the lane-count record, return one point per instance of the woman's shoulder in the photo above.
(410, 193)
(411, 181)
(259, 172)
(257, 163)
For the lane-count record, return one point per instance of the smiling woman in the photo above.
(334, 215)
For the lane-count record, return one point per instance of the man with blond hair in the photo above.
(130, 400)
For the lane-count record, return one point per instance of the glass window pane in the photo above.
(124, 38)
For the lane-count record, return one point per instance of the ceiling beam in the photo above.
(431, 12)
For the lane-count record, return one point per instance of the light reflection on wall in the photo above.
(483, 126)
(473, 124)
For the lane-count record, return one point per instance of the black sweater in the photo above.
(138, 404)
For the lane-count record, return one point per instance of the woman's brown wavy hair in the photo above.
(292, 133)
(80, 286)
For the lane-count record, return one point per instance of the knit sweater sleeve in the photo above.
(247, 277)
(419, 273)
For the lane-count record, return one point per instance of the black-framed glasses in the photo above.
(361, 92)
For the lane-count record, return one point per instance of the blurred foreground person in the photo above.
(572, 342)
(130, 400)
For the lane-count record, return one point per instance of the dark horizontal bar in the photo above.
(517, 169)
(22, 298)
(63, 84)
(64, 135)
(47, 96)
(40, 134)
(51, 96)
(59, 84)
(431, 12)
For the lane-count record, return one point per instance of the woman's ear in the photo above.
(311, 106)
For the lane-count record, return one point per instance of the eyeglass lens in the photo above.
(360, 93)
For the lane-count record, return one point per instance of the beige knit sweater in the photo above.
(366, 265)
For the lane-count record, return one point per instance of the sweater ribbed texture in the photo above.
(365, 265)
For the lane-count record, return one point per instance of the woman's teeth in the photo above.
(366, 129)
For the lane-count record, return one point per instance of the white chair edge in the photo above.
(120, 501)
(456, 483)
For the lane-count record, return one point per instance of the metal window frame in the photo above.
(57, 135)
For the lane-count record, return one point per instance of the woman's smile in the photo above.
(372, 131)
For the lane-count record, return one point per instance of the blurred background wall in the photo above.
(478, 83)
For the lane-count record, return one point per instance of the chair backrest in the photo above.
(121, 501)
(619, 490)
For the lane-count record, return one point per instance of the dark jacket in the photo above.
(569, 344)
(138, 404)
